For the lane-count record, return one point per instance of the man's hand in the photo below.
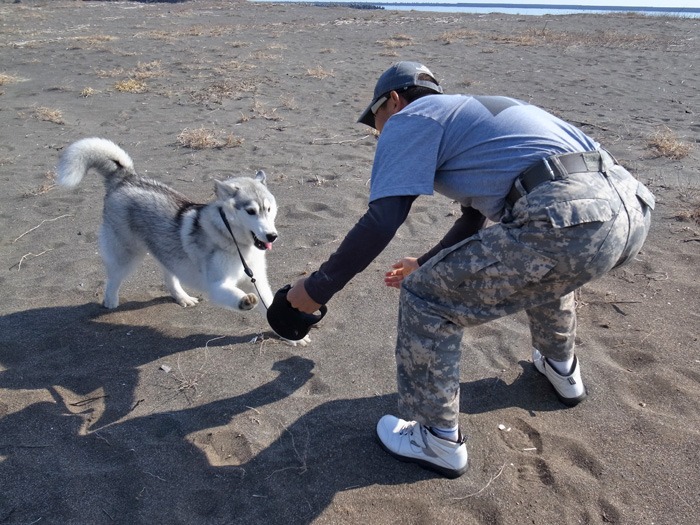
(401, 270)
(300, 300)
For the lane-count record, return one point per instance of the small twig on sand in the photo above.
(326, 142)
(87, 401)
(98, 436)
(662, 276)
(191, 383)
(653, 323)
(38, 225)
(301, 457)
(138, 402)
(680, 497)
(493, 478)
(157, 477)
(19, 264)
(206, 351)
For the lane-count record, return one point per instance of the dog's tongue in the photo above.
(268, 246)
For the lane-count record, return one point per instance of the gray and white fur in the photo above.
(189, 240)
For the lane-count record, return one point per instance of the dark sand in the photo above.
(245, 429)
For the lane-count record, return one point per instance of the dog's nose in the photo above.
(271, 237)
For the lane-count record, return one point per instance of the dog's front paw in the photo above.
(248, 302)
(186, 300)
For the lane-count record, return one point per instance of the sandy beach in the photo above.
(153, 413)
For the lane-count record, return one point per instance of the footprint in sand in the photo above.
(525, 439)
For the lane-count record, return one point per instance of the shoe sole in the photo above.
(444, 471)
(570, 401)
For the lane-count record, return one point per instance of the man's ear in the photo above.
(398, 100)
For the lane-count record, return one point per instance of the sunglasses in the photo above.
(380, 101)
(378, 104)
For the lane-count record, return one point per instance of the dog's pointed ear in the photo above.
(225, 191)
(261, 177)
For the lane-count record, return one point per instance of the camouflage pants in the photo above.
(562, 235)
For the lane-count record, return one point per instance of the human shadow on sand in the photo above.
(149, 470)
(73, 348)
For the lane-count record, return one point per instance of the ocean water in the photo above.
(683, 8)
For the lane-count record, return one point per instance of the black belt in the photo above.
(556, 167)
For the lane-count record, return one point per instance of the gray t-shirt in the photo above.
(468, 148)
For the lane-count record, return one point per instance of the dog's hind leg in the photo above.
(173, 285)
(120, 261)
(117, 271)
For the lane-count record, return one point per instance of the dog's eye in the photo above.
(250, 211)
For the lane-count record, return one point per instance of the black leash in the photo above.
(246, 268)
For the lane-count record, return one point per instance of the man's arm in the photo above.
(367, 239)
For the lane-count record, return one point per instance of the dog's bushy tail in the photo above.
(102, 155)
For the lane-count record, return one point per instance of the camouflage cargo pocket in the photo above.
(579, 211)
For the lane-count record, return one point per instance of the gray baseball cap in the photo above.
(400, 75)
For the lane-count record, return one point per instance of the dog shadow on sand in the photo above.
(148, 470)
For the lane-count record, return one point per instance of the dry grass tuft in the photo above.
(689, 215)
(147, 70)
(533, 37)
(49, 115)
(238, 43)
(8, 79)
(218, 91)
(396, 41)
(131, 85)
(232, 141)
(189, 32)
(261, 110)
(93, 40)
(136, 81)
(109, 73)
(204, 138)
(606, 39)
(262, 55)
(227, 66)
(288, 102)
(667, 144)
(319, 72)
(449, 37)
(88, 92)
(46, 186)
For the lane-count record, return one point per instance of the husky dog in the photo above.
(210, 247)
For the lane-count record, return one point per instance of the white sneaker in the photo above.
(569, 388)
(412, 442)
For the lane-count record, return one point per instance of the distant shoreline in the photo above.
(482, 7)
